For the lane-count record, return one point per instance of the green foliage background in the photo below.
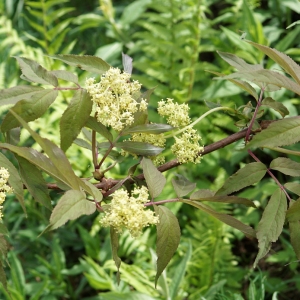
(172, 43)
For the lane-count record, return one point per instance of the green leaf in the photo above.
(139, 148)
(179, 272)
(168, 237)
(203, 193)
(267, 77)
(279, 107)
(182, 186)
(246, 176)
(14, 179)
(89, 63)
(280, 133)
(148, 128)
(65, 75)
(293, 213)
(30, 109)
(34, 181)
(286, 166)
(56, 155)
(74, 118)
(3, 229)
(92, 190)
(99, 127)
(227, 219)
(2, 275)
(155, 179)
(70, 206)
(17, 93)
(293, 187)
(114, 240)
(34, 72)
(290, 66)
(271, 223)
(295, 236)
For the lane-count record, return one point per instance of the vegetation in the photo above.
(234, 63)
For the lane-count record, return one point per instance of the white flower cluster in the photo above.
(129, 211)
(114, 98)
(4, 188)
(186, 147)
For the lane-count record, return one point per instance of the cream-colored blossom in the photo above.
(129, 211)
(187, 148)
(4, 188)
(114, 98)
(176, 114)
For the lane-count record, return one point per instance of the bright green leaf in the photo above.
(17, 93)
(246, 176)
(74, 118)
(29, 110)
(70, 206)
(89, 63)
(168, 237)
(271, 224)
(34, 181)
(34, 72)
(182, 186)
(140, 148)
(286, 166)
(14, 179)
(280, 133)
(155, 179)
(278, 106)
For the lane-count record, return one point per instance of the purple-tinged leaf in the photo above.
(285, 166)
(155, 180)
(14, 179)
(89, 63)
(227, 219)
(280, 133)
(17, 93)
(168, 237)
(30, 109)
(70, 206)
(244, 177)
(271, 224)
(34, 72)
(139, 148)
(278, 106)
(74, 118)
(148, 128)
(182, 186)
(34, 181)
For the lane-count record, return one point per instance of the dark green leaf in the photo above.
(155, 179)
(286, 166)
(65, 75)
(57, 157)
(17, 93)
(99, 127)
(182, 186)
(271, 223)
(13, 136)
(34, 72)
(89, 63)
(70, 206)
(246, 176)
(278, 106)
(293, 187)
(168, 237)
(227, 219)
(14, 179)
(34, 181)
(3, 229)
(290, 66)
(114, 240)
(280, 133)
(293, 213)
(29, 110)
(140, 148)
(74, 118)
(148, 128)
